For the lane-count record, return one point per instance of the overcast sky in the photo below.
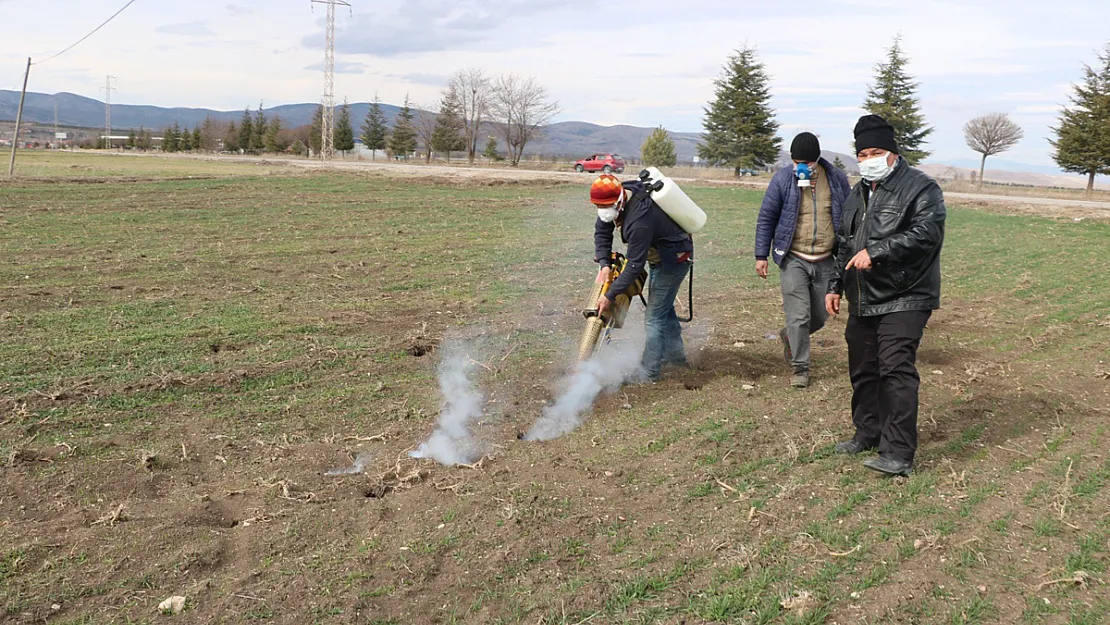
(643, 63)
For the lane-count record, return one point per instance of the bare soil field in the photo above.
(197, 355)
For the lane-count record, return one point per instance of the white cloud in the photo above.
(190, 29)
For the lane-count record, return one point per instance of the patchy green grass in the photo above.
(200, 351)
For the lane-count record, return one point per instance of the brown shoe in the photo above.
(800, 380)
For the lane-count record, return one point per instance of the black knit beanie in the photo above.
(805, 148)
(873, 131)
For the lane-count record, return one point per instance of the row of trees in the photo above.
(471, 105)
(741, 130)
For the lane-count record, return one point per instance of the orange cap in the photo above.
(606, 190)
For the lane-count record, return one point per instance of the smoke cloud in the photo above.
(618, 362)
(361, 461)
(453, 442)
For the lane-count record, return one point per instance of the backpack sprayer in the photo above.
(688, 215)
(599, 326)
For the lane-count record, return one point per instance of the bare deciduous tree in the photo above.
(521, 107)
(425, 129)
(473, 90)
(991, 134)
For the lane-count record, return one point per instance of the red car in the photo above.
(607, 163)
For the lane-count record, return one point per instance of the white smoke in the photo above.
(361, 461)
(452, 442)
(618, 362)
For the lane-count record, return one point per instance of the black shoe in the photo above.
(787, 355)
(852, 447)
(889, 465)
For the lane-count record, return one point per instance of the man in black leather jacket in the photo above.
(888, 266)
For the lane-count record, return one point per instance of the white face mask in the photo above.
(875, 168)
(608, 215)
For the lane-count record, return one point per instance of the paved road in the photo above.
(512, 173)
(1039, 201)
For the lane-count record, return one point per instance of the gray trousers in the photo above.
(804, 285)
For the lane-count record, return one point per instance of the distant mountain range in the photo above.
(566, 139)
(563, 139)
(75, 110)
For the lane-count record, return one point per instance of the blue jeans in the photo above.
(664, 333)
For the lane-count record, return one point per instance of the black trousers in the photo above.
(882, 362)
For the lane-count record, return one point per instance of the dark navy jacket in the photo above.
(778, 215)
(643, 226)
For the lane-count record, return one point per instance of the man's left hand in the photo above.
(861, 261)
(603, 304)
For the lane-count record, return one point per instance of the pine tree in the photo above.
(894, 98)
(403, 141)
(344, 134)
(132, 140)
(1082, 143)
(299, 148)
(144, 140)
(197, 138)
(246, 131)
(491, 150)
(175, 138)
(209, 135)
(258, 136)
(658, 149)
(231, 138)
(316, 132)
(273, 140)
(740, 127)
(185, 138)
(374, 129)
(839, 164)
(448, 135)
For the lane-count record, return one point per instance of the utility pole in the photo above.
(327, 140)
(55, 141)
(108, 89)
(18, 119)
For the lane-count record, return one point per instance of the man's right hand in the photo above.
(832, 304)
(761, 268)
(603, 274)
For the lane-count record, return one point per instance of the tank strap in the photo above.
(673, 238)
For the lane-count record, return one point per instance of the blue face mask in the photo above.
(803, 173)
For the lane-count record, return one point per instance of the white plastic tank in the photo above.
(653, 174)
(674, 201)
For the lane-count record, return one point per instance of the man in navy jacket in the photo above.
(797, 228)
(654, 240)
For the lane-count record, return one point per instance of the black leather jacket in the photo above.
(901, 223)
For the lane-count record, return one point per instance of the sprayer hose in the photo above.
(690, 291)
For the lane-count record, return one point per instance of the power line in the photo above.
(88, 35)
